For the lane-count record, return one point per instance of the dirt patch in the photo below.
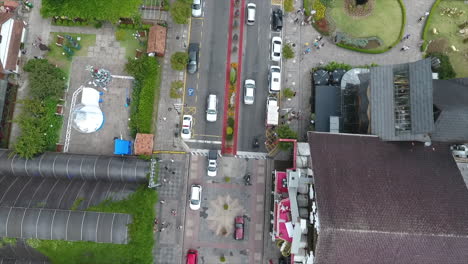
(437, 46)
(354, 10)
(372, 44)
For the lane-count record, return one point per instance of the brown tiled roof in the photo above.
(5, 16)
(144, 144)
(15, 44)
(157, 40)
(388, 202)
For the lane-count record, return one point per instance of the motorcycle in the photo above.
(247, 179)
(255, 143)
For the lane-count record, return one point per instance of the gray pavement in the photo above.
(256, 62)
(296, 72)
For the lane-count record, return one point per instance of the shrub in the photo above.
(288, 52)
(120, 35)
(147, 73)
(320, 9)
(288, 93)
(179, 60)
(227, 179)
(284, 132)
(288, 5)
(233, 75)
(445, 69)
(231, 122)
(180, 11)
(175, 89)
(333, 65)
(328, 3)
(229, 133)
(307, 6)
(98, 24)
(222, 259)
(45, 80)
(226, 206)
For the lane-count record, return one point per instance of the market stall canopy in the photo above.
(122, 147)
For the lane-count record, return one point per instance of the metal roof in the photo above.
(327, 103)
(387, 202)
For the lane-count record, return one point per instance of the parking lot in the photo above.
(210, 230)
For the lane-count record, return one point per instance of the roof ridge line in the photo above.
(399, 233)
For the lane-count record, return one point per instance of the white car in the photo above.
(212, 108)
(275, 79)
(195, 197)
(249, 91)
(276, 47)
(186, 132)
(196, 8)
(251, 14)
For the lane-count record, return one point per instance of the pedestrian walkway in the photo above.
(297, 71)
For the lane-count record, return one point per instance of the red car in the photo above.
(192, 256)
(239, 228)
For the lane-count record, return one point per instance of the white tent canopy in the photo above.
(87, 117)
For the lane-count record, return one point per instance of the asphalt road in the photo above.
(256, 63)
(211, 32)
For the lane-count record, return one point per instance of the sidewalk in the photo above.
(168, 118)
(297, 72)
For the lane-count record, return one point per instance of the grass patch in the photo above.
(5, 241)
(384, 22)
(140, 205)
(76, 204)
(447, 28)
(55, 55)
(176, 92)
(129, 42)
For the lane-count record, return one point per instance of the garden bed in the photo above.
(446, 23)
(127, 40)
(385, 22)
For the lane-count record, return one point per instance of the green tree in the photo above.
(107, 10)
(288, 52)
(45, 80)
(179, 60)
(285, 132)
(181, 11)
(288, 93)
(445, 69)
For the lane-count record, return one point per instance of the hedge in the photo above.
(426, 25)
(400, 36)
(147, 73)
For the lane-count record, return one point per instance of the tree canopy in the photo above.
(284, 131)
(45, 80)
(109, 10)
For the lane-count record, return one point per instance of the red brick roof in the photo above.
(4, 17)
(157, 40)
(144, 144)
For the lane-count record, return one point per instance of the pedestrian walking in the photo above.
(173, 212)
(421, 19)
(404, 48)
(323, 44)
(162, 201)
(179, 227)
(426, 14)
(320, 37)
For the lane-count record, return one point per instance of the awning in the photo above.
(122, 147)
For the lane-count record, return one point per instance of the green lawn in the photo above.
(139, 250)
(55, 55)
(385, 21)
(448, 29)
(130, 43)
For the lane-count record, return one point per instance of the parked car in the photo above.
(239, 228)
(195, 197)
(212, 163)
(251, 7)
(192, 256)
(275, 79)
(212, 108)
(186, 132)
(277, 20)
(197, 8)
(249, 91)
(276, 46)
(193, 50)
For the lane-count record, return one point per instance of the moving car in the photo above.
(186, 132)
(251, 7)
(249, 91)
(192, 256)
(212, 108)
(239, 228)
(196, 8)
(275, 79)
(276, 46)
(193, 50)
(212, 163)
(195, 196)
(277, 20)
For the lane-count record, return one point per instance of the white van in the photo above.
(251, 7)
(275, 79)
(212, 108)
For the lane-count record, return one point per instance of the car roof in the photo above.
(195, 192)
(249, 91)
(239, 219)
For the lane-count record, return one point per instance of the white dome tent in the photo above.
(87, 117)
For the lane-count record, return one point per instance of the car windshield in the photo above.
(211, 112)
(196, 6)
(275, 70)
(185, 131)
(276, 53)
(238, 225)
(212, 168)
(194, 201)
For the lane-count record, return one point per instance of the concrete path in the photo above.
(297, 72)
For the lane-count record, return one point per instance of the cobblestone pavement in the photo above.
(297, 72)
